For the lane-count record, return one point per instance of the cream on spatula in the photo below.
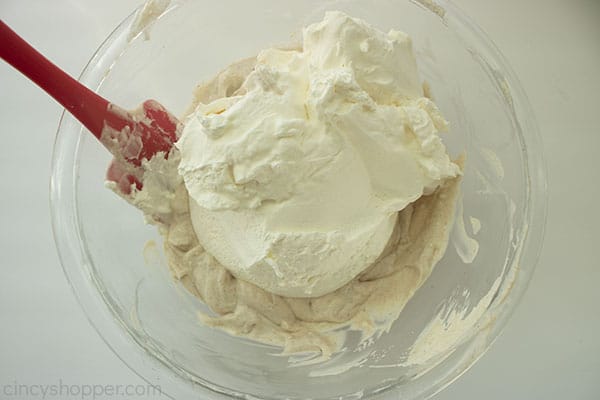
(131, 136)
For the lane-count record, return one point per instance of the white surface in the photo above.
(550, 349)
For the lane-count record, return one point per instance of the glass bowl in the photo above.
(117, 270)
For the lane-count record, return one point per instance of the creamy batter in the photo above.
(309, 191)
(296, 179)
(369, 303)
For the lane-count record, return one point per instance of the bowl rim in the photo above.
(72, 256)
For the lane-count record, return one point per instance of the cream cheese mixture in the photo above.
(309, 190)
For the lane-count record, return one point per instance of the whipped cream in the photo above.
(295, 181)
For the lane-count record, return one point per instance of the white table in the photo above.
(550, 348)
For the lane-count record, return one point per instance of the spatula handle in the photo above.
(88, 107)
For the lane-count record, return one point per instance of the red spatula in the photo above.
(130, 136)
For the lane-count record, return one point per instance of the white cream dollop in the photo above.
(296, 180)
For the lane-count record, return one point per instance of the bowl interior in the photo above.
(124, 260)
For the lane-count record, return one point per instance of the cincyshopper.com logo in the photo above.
(62, 390)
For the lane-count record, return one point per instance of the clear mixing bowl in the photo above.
(151, 322)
